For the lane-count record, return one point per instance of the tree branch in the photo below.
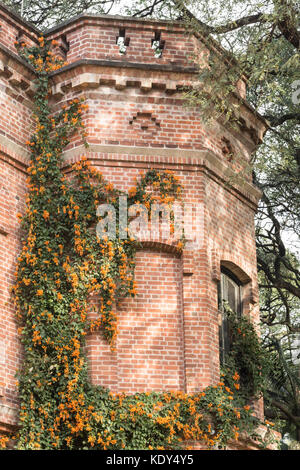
(286, 22)
(239, 23)
(285, 410)
(277, 121)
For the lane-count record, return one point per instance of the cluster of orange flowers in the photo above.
(52, 62)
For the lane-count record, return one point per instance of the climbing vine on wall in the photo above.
(61, 264)
(246, 356)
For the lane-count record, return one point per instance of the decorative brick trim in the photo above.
(14, 153)
(158, 246)
(185, 158)
(8, 415)
(243, 277)
(188, 259)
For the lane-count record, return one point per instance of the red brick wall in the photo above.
(168, 335)
(96, 39)
(12, 29)
(16, 117)
(12, 195)
(150, 349)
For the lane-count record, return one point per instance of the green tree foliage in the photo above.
(45, 14)
(282, 388)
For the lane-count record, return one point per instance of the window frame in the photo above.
(224, 333)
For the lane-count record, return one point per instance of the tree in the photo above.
(282, 392)
(45, 14)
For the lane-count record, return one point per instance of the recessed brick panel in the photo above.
(150, 350)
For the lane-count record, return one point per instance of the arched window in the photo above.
(230, 292)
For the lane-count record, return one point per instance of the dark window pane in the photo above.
(232, 295)
(230, 292)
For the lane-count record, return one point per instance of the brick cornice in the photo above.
(14, 153)
(11, 58)
(8, 415)
(191, 160)
(85, 74)
(126, 64)
(98, 19)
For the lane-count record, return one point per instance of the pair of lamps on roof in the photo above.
(156, 44)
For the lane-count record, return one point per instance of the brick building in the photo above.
(130, 72)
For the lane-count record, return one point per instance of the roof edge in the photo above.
(133, 19)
